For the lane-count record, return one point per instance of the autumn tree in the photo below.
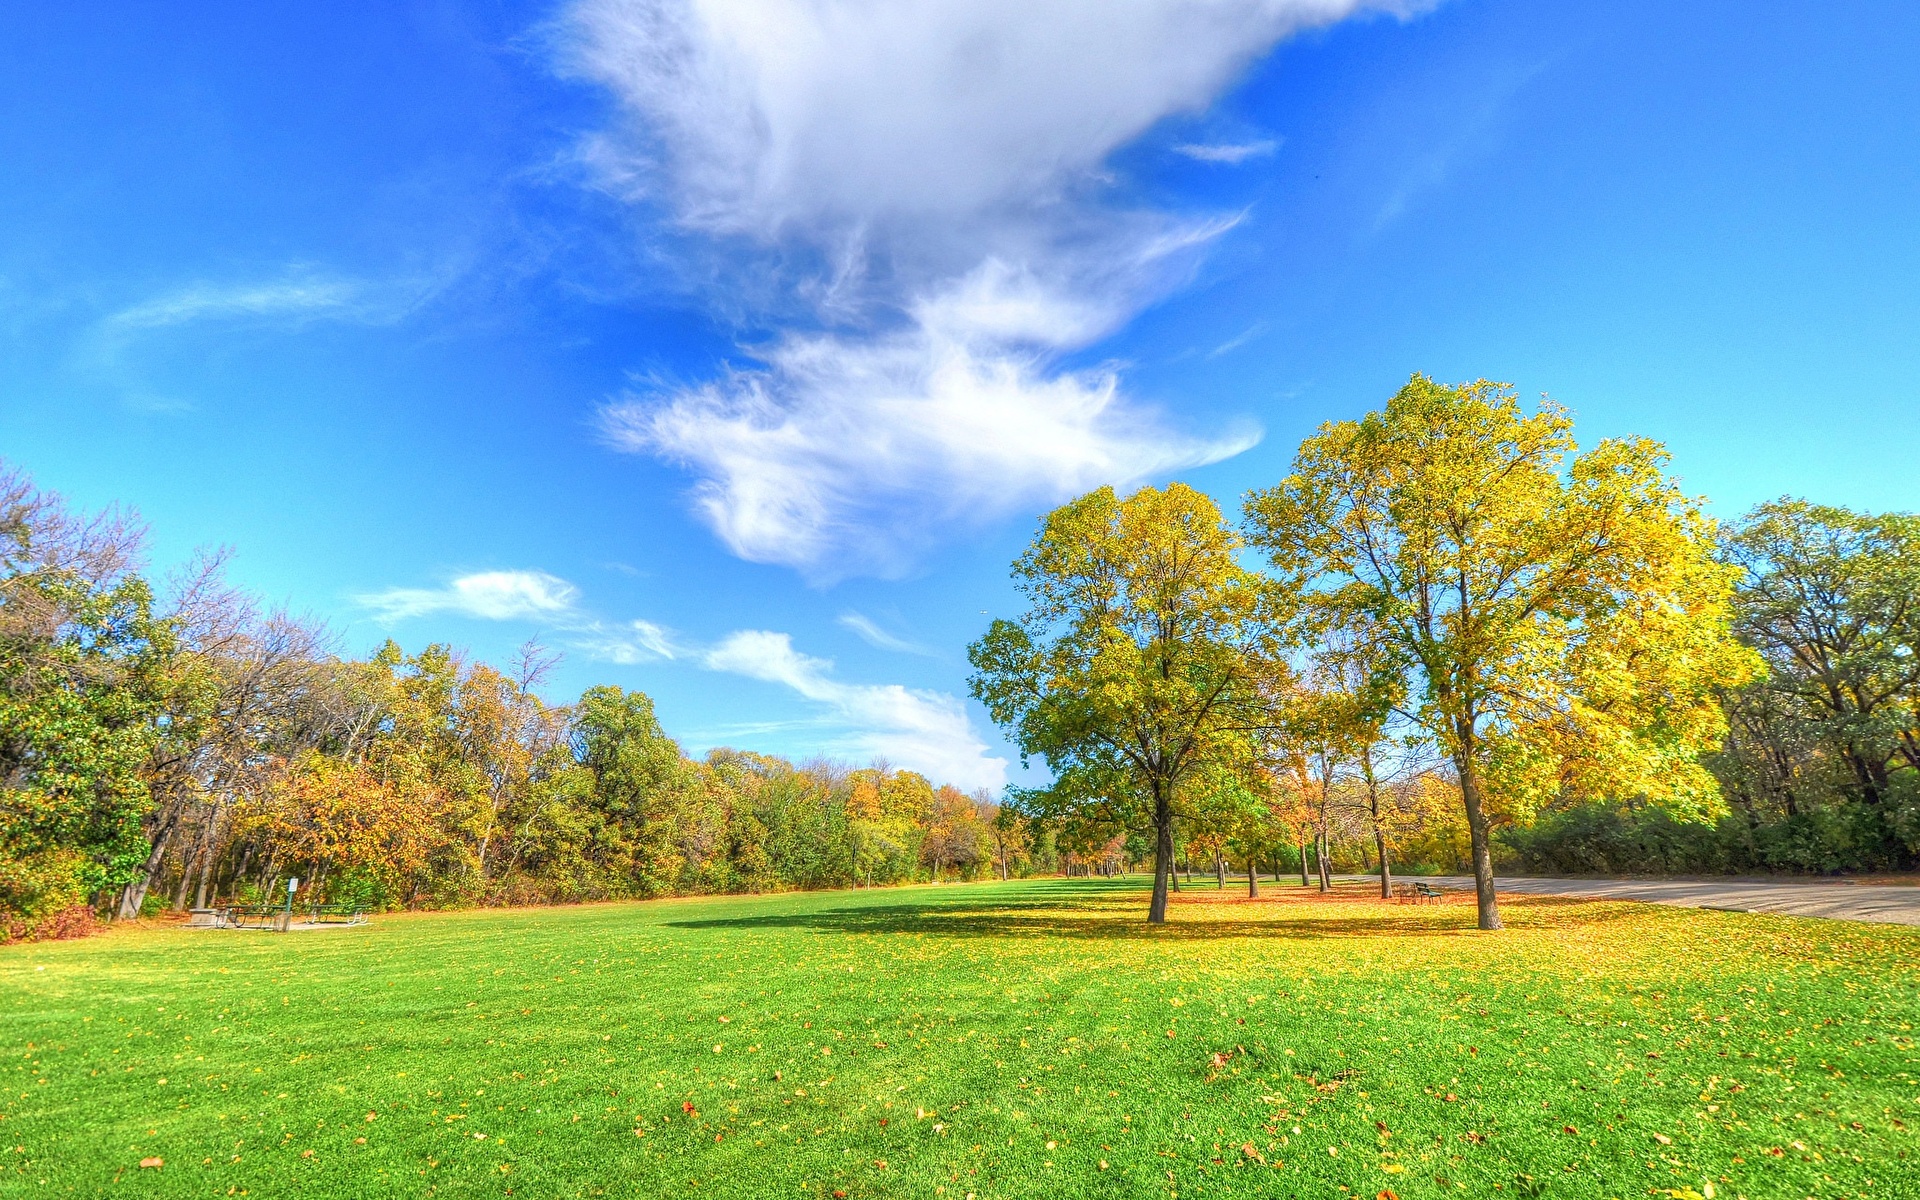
(1257, 826)
(1011, 832)
(252, 692)
(1559, 616)
(1830, 598)
(641, 782)
(329, 817)
(1131, 669)
(1351, 715)
(87, 669)
(956, 832)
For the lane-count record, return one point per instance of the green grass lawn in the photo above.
(1026, 1039)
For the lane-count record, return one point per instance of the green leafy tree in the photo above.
(1830, 599)
(86, 673)
(1134, 667)
(641, 782)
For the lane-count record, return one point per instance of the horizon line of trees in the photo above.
(1470, 646)
(177, 747)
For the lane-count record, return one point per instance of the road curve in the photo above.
(1893, 904)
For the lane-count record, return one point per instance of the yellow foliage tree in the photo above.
(1561, 617)
(330, 815)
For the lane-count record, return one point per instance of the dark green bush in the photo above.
(1603, 838)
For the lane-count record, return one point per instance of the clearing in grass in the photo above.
(1031, 1039)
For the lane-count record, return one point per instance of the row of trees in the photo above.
(1457, 602)
(1463, 638)
(173, 746)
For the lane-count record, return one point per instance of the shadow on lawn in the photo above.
(1122, 917)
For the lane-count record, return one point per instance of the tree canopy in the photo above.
(1136, 664)
(1561, 616)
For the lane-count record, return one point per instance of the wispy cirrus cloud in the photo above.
(297, 294)
(294, 298)
(870, 632)
(1230, 154)
(307, 298)
(923, 185)
(923, 730)
(626, 643)
(528, 596)
(485, 595)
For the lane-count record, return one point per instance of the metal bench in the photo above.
(1426, 891)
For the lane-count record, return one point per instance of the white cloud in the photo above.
(1227, 153)
(913, 192)
(925, 731)
(845, 454)
(628, 645)
(297, 295)
(751, 116)
(525, 595)
(294, 299)
(202, 301)
(880, 639)
(487, 595)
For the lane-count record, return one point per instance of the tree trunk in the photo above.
(1326, 867)
(1253, 878)
(209, 862)
(1489, 909)
(201, 858)
(134, 894)
(1162, 855)
(1219, 871)
(1303, 863)
(186, 881)
(1386, 872)
(240, 870)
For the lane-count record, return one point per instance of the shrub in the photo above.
(1602, 838)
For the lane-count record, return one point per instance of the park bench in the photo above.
(1426, 891)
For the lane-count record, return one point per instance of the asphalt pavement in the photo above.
(1895, 904)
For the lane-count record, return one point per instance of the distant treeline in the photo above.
(170, 750)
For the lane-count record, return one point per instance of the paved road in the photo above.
(1890, 903)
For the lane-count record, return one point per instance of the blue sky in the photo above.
(734, 348)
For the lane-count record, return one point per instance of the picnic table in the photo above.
(254, 916)
(336, 914)
(277, 918)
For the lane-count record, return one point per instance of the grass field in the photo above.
(1018, 1040)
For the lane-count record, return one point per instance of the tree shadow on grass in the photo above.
(1121, 917)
